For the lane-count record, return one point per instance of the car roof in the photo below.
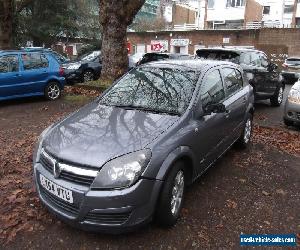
(237, 50)
(192, 64)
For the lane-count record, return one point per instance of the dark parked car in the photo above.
(86, 68)
(151, 57)
(128, 156)
(24, 74)
(291, 70)
(262, 74)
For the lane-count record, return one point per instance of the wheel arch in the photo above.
(180, 154)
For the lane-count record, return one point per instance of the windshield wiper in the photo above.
(155, 111)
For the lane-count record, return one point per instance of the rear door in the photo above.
(35, 71)
(10, 77)
(235, 103)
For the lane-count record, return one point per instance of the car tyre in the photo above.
(171, 197)
(52, 91)
(288, 122)
(88, 76)
(277, 99)
(245, 137)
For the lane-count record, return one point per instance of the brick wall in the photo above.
(263, 38)
(182, 15)
(253, 11)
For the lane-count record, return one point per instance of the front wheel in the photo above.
(245, 137)
(52, 91)
(277, 99)
(88, 76)
(171, 197)
(288, 122)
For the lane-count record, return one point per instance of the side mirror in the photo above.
(214, 108)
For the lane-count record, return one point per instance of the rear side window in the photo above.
(212, 89)
(9, 63)
(233, 80)
(34, 61)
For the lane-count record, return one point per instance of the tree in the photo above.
(115, 16)
(146, 24)
(6, 24)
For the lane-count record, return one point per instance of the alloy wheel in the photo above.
(280, 95)
(177, 192)
(248, 131)
(88, 76)
(53, 91)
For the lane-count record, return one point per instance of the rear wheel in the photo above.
(171, 197)
(52, 91)
(88, 76)
(288, 122)
(277, 99)
(245, 137)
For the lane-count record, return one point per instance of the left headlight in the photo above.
(294, 96)
(74, 66)
(38, 146)
(123, 171)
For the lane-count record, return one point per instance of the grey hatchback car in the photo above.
(128, 156)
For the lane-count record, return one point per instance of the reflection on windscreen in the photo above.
(90, 57)
(153, 89)
(219, 55)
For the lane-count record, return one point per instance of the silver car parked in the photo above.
(128, 156)
(292, 106)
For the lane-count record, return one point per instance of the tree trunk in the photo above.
(6, 24)
(115, 16)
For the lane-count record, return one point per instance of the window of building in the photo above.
(235, 3)
(211, 4)
(266, 10)
(288, 9)
(9, 64)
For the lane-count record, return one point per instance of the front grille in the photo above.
(82, 180)
(107, 219)
(75, 178)
(46, 163)
(298, 116)
(61, 205)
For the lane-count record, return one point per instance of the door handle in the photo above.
(227, 113)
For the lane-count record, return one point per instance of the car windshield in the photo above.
(161, 90)
(91, 56)
(219, 55)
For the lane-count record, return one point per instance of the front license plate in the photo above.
(56, 190)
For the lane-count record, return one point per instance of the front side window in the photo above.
(264, 61)
(233, 80)
(9, 63)
(212, 89)
(255, 60)
(164, 90)
(288, 9)
(34, 61)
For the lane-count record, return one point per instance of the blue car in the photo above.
(24, 74)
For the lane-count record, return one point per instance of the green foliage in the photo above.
(44, 21)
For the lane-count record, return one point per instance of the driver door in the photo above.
(211, 129)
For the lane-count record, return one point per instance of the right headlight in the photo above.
(123, 171)
(294, 96)
(38, 146)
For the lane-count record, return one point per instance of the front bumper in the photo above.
(73, 75)
(292, 111)
(112, 211)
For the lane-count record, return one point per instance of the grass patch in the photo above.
(101, 85)
(77, 99)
